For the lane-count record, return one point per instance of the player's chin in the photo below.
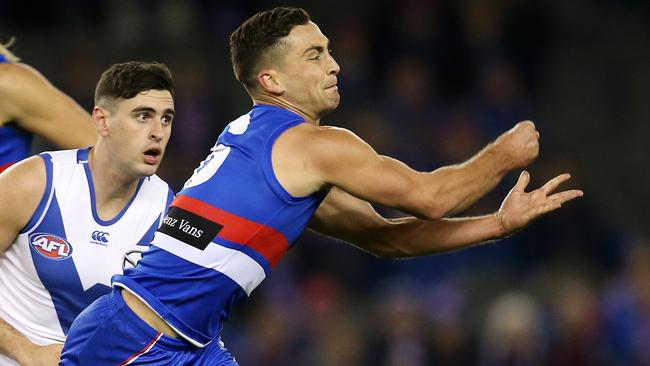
(148, 169)
(334, 102)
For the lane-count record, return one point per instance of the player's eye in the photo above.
(167, 120)
(142, 116)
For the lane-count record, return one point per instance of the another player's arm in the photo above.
(21, 188)
(307, 158)
(30, 100)
(351, 219)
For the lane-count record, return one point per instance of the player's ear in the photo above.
(100, 120)
(270, 82)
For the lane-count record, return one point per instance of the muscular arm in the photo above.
(27, 98)
(353, 220)
(21, 189)
(307, 158)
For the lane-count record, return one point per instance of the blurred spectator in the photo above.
(576, 324)
(626, 307)
(513, 333)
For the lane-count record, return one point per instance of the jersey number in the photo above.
(212, 163)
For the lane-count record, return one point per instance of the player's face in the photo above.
(308, 70)
(140, 128)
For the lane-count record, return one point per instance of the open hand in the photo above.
(519, 208)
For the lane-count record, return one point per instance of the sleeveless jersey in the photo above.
(224, 232)
(15, 143)
(63, 259)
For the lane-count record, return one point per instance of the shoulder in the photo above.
(61, 157)
(26, 171)
(316, 154)
(327, 146)
(322, 138)
(22, 185)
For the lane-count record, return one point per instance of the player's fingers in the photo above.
(552, 184)
(565, 196)
(555, 201)
(522, 182)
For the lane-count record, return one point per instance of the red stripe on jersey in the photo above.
(141, 352)
(5, 166)
(270, 243)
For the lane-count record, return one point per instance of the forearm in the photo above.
(14, 344)
(412, 237)
(456, 187)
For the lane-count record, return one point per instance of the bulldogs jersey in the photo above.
(224, 232)
(63, 259)
(15, 143)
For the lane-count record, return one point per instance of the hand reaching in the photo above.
(520, 144)
(519, 208)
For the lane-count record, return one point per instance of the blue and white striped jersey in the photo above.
(63, 259)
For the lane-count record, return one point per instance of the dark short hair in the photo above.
(257, 35)
(126, 80)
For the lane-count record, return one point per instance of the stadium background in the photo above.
(428, 82)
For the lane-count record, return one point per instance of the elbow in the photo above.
(428, 202)
(438, 203)
(432, 208)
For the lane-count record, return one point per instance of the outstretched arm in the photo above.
(307, 158)
(27, 98)
(353, 220)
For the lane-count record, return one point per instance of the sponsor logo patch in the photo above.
(51, 246)
(189, 228)
(99, 238)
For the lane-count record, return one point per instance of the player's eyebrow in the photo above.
(318, 48)
(152, 110)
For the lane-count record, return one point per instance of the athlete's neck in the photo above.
(309, 117)
(113, 186)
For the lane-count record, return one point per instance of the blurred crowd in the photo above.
(428, 82)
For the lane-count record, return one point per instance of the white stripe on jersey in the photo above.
(233, 263)
(26, 294)
(140, 353)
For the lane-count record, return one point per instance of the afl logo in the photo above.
(51, 246)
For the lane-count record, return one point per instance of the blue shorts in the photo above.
(109, 333)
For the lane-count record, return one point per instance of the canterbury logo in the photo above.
(100, 236)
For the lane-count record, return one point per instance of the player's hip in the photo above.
(109, 333)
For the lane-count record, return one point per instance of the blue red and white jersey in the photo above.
(224, 232)
(15, 143)
(65, 256)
